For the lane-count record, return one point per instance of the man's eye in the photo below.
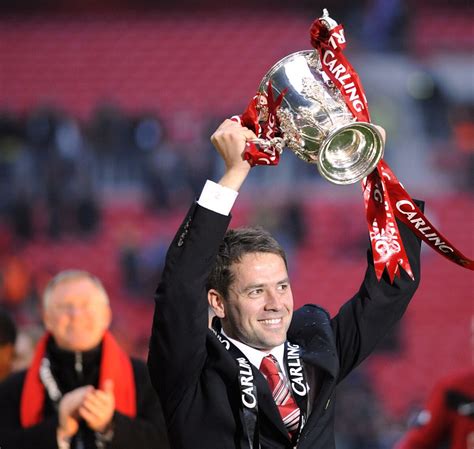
(255, 292)
(283, 287)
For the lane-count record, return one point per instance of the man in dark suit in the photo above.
(264, 376)
(81, 391)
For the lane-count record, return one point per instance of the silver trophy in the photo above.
(316, 123)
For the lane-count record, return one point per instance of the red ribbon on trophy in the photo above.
(260, 116)
(384, 197)
(330, 43)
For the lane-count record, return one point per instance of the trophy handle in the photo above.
(269, 145)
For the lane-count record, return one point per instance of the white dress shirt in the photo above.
(255, 356)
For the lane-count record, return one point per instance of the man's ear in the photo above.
(47, 319)
(216, 302)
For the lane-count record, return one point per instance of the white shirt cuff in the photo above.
(63, 443)
(217, 198)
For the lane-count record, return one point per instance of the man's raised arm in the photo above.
(364, 320)
(180, 325)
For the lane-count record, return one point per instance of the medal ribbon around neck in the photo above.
(248, 389)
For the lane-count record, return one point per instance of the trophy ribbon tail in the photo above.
(385, 198)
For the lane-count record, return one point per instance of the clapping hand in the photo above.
(98, 406)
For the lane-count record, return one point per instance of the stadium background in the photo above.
(105, 114)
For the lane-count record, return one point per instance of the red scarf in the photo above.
(115, 365)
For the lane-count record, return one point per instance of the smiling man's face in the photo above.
(259, 305)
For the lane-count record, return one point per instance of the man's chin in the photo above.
(269, 343)
(79, 344)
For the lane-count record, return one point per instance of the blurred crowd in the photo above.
(49, 159)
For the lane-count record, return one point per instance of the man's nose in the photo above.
(273, 301)
(75, 311)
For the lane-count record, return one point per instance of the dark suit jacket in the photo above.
(196, 378)
(146, 431)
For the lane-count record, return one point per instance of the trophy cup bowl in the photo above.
(316, 123)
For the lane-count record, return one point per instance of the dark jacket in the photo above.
(197, 378)
(146, 431)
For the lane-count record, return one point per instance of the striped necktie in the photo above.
(287, 406)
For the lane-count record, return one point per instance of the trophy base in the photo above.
(350, 153)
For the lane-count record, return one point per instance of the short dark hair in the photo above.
(7, 329)
(237, 243)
